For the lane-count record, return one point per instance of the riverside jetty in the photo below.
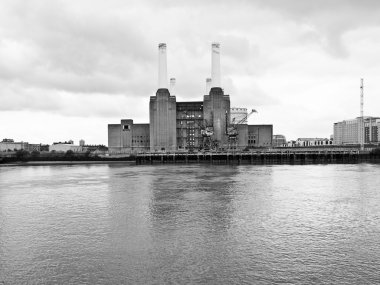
(302, 155)
(272, 156)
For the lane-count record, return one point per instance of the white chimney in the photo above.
(172, 85)
(208, 85)
(162, 67)
(215, 65)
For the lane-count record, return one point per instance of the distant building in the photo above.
(279, 141)
(81, 142)
(33, 147)
(300, 142)
(309, 142)
(291, 143)
(65, 146)
(11, 145)
(347, 132)
(44, 147)
(97, 147)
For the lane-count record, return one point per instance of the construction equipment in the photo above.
(207, 140)
(231, 130)
(207, 132)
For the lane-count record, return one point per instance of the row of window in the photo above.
(191, 116)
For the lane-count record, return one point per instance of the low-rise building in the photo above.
(128, 137)
(65, 146)
(279, 141)
(313, 141)
(11, 145)
(94, 147)
(259, 136)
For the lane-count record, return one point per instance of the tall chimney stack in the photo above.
(208, 85)
(162, 67)
(215, 65)
(172, 85)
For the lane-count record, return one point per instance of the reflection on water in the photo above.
(121, 224)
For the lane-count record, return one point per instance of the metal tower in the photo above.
(361, 119)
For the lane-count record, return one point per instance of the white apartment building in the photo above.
(347, 131)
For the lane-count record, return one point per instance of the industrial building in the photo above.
(238, 114)
(9, 145)
(210, 124)
(65, 146)
(351, 131)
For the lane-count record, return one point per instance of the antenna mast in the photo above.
(361, 97)
(361, 120)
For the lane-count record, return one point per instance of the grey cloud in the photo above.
(62, 53)
(76, 50)
(330, 19)
(16, 98)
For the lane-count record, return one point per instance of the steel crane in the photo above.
(231, 130)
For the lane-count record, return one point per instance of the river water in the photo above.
(190, 224)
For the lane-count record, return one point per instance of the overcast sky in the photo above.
(69, 68)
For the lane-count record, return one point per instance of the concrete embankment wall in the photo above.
(259, 159)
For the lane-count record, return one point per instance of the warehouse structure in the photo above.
(210, 124)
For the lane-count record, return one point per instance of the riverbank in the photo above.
(52, 163)
(42, 158)
(254, 158)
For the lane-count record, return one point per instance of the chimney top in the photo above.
(162, 67)
(215, 65)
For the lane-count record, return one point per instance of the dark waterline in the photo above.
(117, 224)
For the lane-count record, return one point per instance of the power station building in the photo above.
(209, 124)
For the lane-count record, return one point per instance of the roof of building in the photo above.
(312, 139)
